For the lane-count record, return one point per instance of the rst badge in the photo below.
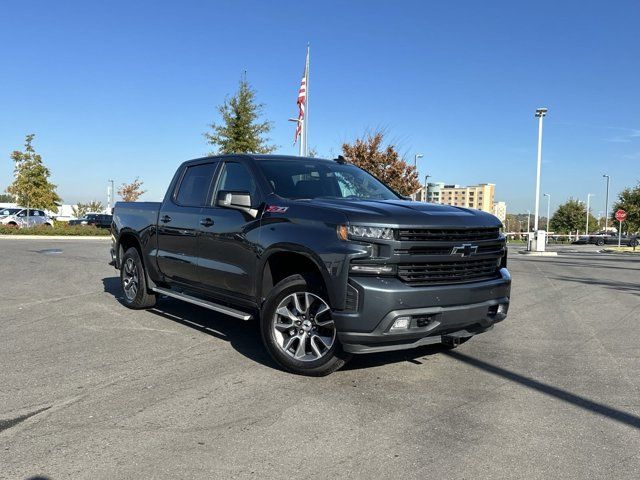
(275, 209)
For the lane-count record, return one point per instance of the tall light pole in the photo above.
(540, 114)
(111, 197)
(589, 195)
(528, 222)
(548, 195)
(415, 166)
(426, 178)
(606, 204)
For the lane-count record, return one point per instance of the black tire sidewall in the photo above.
(140, 300)
(323, 366)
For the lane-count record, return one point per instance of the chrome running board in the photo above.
(232, 312)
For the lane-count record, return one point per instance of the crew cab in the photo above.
(331, 261)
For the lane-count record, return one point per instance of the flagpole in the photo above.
(305, 119)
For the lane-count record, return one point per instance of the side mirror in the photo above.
(237, 201)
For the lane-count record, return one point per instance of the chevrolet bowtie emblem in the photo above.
(464, 250)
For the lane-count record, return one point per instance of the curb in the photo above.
(606, 250)
(55, 237)
(538, 254)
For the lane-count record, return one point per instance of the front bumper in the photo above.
(437, 313)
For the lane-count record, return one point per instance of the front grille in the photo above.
(448, 272)
(447, 235)
(491, 249)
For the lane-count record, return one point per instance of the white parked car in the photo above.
(17, 217)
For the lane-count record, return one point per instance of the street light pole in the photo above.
(415, 166)
(112, 196)
(528, 222)
(589, 195)
(606, 204)
(540, 113)
(426, 177)
(548, 195)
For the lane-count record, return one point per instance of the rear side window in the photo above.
(195, 185)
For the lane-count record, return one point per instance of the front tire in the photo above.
(134, 282)
(600, 242)
(297, 328)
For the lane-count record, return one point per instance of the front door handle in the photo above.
(206, 222)
(165, 219)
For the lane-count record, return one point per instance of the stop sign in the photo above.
(621, 215)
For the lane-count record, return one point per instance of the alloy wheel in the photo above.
(303, 327)
(130, 279)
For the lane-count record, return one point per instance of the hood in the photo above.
(404, 213)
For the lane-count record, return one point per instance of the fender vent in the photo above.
(351, 303)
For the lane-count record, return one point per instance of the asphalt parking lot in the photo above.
(90, 389)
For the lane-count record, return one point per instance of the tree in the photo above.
(130, 192)
(629, 201)
(6, 198)
(31, 186)
(572, 216)
(382, 162)
(81, 209)
(239, 130)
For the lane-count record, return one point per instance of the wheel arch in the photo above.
(280, 263)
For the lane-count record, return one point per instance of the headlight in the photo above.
(84, 222)
(363, 231)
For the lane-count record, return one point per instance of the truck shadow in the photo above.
(244, 337)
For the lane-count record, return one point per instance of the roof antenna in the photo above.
(341, 159)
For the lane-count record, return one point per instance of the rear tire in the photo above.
(134, 282)
(297, 328)
(600, 242)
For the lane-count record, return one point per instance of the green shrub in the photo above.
(60, 228)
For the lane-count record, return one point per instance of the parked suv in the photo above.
(99, 220)
(22, 217)
(329, 259)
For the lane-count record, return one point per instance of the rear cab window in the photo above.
(194, 186)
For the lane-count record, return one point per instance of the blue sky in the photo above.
(125, 89)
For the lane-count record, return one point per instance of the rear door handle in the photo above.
(165, 219)
(206, 222)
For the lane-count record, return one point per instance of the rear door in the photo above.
(178, 223)
(228, 238)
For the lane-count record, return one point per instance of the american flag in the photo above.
(302, 101)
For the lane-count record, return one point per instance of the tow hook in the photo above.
(450, 341)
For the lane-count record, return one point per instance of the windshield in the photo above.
(313, 179)
(8, 211)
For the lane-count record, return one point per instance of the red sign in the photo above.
(621, 215)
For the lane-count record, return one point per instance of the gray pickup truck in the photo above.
(331, 261)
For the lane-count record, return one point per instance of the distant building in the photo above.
(478, 196)
(500, 211)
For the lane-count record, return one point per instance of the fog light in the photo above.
(502, 309)
(401, 323)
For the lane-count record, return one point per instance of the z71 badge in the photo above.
(275, 209)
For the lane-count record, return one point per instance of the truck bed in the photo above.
(137, 216)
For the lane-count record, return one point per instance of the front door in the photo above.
(228, 238)
(179, 221)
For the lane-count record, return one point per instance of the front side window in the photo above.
(194, 186)
(235, 177)
(313, 179)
